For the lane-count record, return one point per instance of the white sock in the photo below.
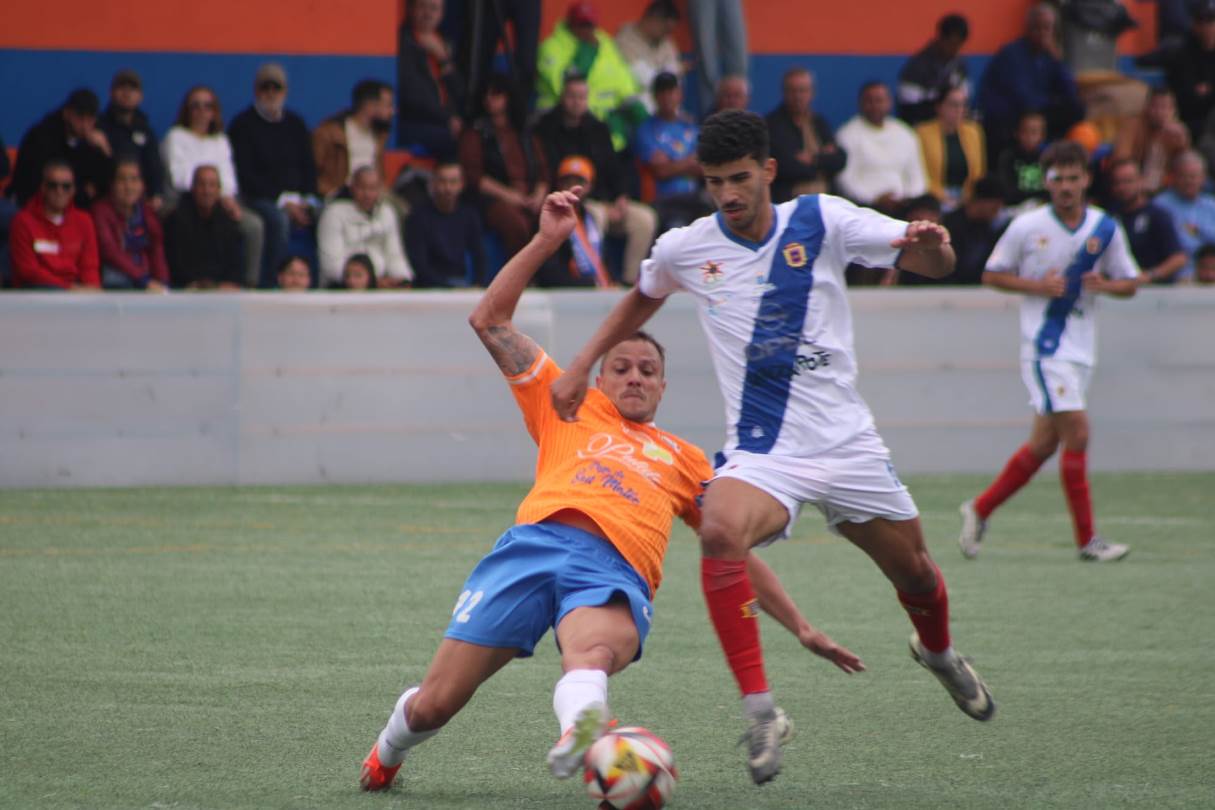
(396, 739)
(937, 658)
(576, 690)
(758, 703)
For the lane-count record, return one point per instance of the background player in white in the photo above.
(1059, 257)
(770, 284)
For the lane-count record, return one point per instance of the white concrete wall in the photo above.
(116, 390)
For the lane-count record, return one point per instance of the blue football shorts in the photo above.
(535, 575)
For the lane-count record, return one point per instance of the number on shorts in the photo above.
(468, 600)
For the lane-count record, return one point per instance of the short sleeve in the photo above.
(1006, 255)
(658, 279)
(530, 390)
(867, 234)
(1118, 262)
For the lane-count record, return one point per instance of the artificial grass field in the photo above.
(240, 648)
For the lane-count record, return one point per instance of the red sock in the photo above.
(735, 616)
(1073, 473)
(929, 612)
(1017, 472)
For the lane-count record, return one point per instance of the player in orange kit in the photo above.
(585, 554)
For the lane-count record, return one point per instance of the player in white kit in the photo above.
(1059, 257)
(770, 284)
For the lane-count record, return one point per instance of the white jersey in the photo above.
(777, 318)
(1037, 243)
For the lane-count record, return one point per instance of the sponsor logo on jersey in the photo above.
(711, 272)
(795, 254)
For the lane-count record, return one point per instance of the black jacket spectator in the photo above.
(1021, 175)
(203, 252)
(272, 156)
(135, 139)
(421, 97)
(442, 247)
(922, 81)
(1191, 77)
(786, 140)
(47, 139)
(591, 139)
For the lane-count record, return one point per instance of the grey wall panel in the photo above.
(265, 388)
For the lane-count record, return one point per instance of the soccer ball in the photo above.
(630, 768)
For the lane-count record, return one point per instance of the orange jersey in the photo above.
(628, 477)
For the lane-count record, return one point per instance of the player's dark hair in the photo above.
(732, 135)
(953, 25)
(367, 90)
(646, 337)
(1205, 251)
(1064, 153)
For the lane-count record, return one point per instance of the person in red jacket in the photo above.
(52, 243)
(130, 240)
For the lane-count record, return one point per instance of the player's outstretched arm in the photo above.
(925, 250)
(632, 311)
(513, 351)
(776, 602)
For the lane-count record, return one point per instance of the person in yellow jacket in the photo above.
(954, 151)
(577, 44)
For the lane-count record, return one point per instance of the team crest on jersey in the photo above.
(1093, 245)
(711, 272)
(1043, 241)
(795, 254)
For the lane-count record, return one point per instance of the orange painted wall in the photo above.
(367, 27)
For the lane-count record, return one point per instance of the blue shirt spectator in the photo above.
(1193, 210)
(666, 141)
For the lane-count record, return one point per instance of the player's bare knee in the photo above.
(426, 712)
(1043, 448)
(722, 539)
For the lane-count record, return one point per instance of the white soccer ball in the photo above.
(630, 768)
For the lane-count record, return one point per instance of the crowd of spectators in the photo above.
(98, 200)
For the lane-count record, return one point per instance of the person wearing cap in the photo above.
(1191, 71)
(126, 127)
(578, 262)
(68, 133)
(571, 129)
(649, 48)
(666, 145)
(272, 150)
(579, 45)
(429, 86)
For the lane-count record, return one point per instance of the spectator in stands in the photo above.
(130, 241)
(443, 236)
(1018, 168)
(487, 32)
(939, 66)
(733, 93)
(571, 129)
(953, 149)
(884, 166)
(719, 37)
(579, 261)
(70, 134)
(649, 48)
(52, 242)
(429, 85)
(505, 165)
(127, 129)
(1153, 138)
(8, 210)
(364, 223)
(294, 275)
(198, 139)
(272, 150)
(358, 275)
(1029, 74)
(578, 46)
(202, 240)
(354, 137)
(1190, 73)
(807, 159)
(666, 145)
(1149, 228)
(1204, 265)
(974, 227)
(1192, 209)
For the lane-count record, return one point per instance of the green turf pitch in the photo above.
(240, 648)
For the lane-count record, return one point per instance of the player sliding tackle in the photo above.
(770, 284)
(585, 554)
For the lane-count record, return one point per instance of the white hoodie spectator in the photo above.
(363, 224)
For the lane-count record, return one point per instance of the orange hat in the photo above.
(1087, 135)
(577, 166)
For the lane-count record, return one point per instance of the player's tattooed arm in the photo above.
(513, 351)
